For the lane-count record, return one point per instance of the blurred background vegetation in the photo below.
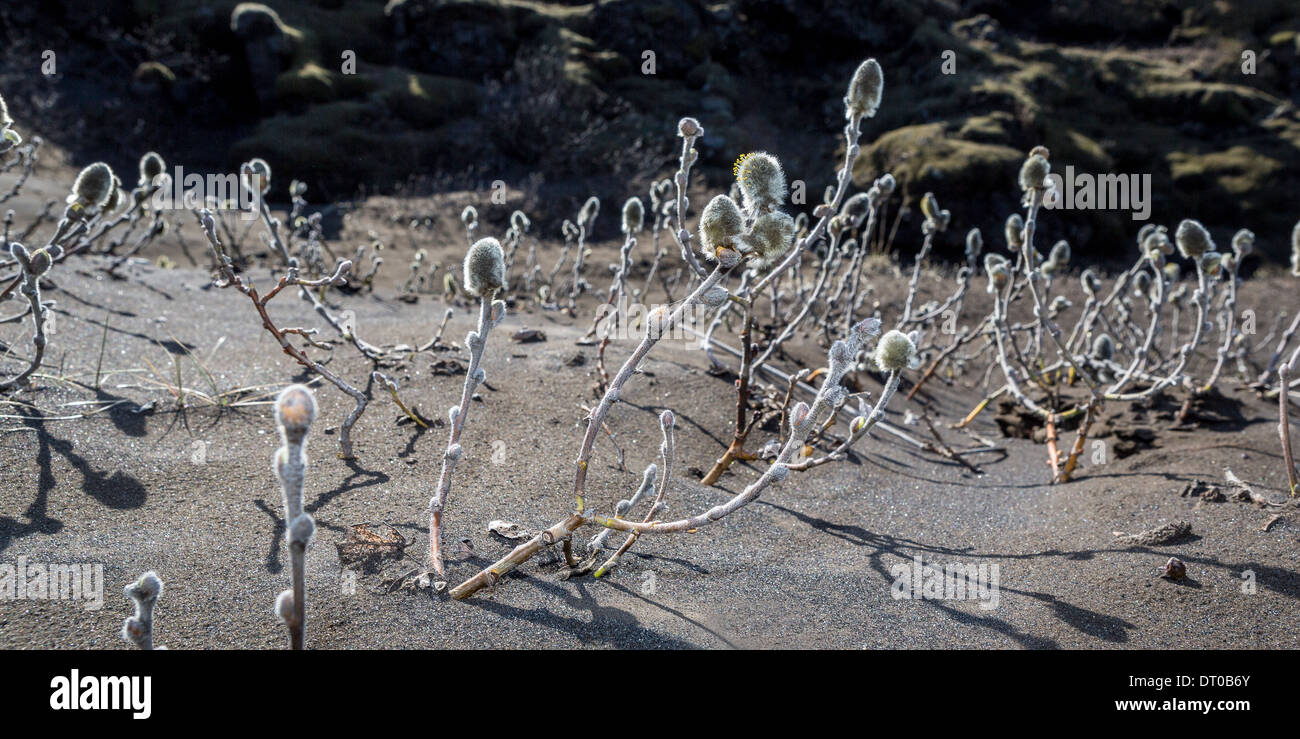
(551, 97)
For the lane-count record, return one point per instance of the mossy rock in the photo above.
(1241, 173)
(256, 20)
(1204, 102)
(925, 157)
(1097, 20)
(335, 145)
(154, 73)
(585, 64)
(309, 83)
(1125, 71)
(630, 27)
(156, 80)
(711, 77)
(1167, 99)
(653, 94)
(472, 39)
(1001, 95)
(1071, 147)
(1047, 81)
(993, 128)
(1285, 39)
(356, 25)
(339, 144)
(427, 101)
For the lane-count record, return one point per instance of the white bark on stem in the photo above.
(1284, 424)
(1140, 358)
(1230, 330)
(682, 180)
(656, 326)
(667, 450)
(828, 399)
(476, 341)
(625, 506)
(852, 133)
(565, 528)
(857, 431)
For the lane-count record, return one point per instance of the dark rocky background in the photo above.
(550, 97)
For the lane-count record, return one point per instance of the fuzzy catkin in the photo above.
(295, 409)
(40, 262)
(865, 89)
(146, 589)
(1212, 263)
(995, 265)
(974, 245)
(929, 206)
(485, 268)
(302, 529)
(633, 216)
(587, 214)
(1103, 348)
(284, 605)
(1015, 231)
(1034, 172)
(856, 208)
(1192, 239)
(1243, 243)
(144, 592)
(151, 165)
(720, 222)
(936, 218)
(93, 186)
(1295, 250)
(257, 174)
(761, 181)
(1060, 254)
(1156, 242)
(519, 222)
(1090, 282)
(886, 184)
(894, 352)
(771, 237)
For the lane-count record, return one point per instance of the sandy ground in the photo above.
(189, 493)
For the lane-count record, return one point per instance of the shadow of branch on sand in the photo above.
(1098, 625)
(116, 490)
(359, 478)
(608, 626)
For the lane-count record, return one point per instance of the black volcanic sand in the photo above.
(808, 565)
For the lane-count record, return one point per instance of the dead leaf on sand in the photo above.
(508, 530)
(528, 336)
(1167, 534)
(447, 366)
(369, 545)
